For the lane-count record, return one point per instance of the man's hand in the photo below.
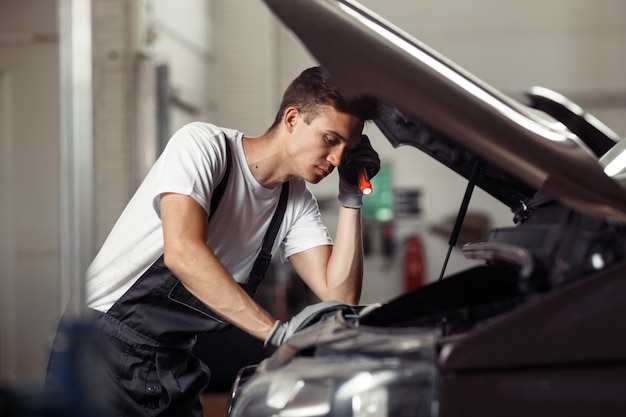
(361, 156)
(309, 315)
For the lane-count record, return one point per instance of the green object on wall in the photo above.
(379, 205)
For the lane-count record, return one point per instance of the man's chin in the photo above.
(315, 179)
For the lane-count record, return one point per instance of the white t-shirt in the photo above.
(192, 164)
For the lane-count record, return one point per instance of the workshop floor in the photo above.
(214, 404)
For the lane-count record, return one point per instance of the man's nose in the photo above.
(335, 156)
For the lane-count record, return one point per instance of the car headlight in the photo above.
(387, 393)
(284, 397)
(370, 404)
(349, 391)
(299, 398)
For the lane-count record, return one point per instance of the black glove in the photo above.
(309, 315)
(361, 156)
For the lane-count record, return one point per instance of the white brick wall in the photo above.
(113, 111)
(247, 57)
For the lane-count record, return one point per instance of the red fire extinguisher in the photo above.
(413, 263)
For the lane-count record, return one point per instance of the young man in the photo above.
(178, 262)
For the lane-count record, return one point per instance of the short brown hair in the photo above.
(313, 88)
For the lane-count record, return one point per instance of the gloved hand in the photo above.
(361, 156)
(309, 315)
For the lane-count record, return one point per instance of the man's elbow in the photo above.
(174, 261)
(352, 300)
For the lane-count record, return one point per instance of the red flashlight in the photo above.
(364, 183)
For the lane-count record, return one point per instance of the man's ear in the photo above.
(290, 118)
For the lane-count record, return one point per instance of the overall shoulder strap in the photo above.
(265, 256)
(219, 190)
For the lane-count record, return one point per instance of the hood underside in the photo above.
(367, 55)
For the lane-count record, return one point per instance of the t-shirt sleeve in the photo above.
(307, 230)
(191, 164)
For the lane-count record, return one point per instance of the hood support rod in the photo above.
(462, 211)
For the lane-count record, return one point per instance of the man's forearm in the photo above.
(345, 266)
(207, 279)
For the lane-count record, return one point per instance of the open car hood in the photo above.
(428, 98)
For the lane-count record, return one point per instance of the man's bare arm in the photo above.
(186, 254)
(335, 272)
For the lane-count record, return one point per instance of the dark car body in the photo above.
(538, 329)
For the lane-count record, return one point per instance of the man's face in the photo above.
(318, 146)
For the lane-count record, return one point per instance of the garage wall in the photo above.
(246, 58)
(30, 249)
(113, 91)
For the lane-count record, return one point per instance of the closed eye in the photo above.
(332, 141)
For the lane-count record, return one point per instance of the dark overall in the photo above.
(150, 331)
